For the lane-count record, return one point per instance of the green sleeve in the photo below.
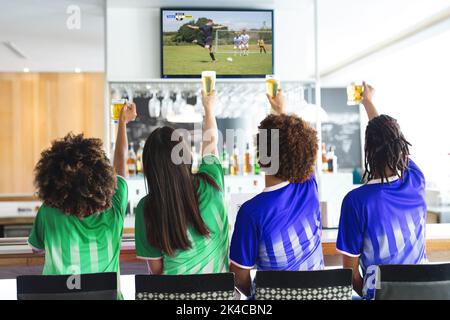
(211, 166)
(36, 238)
(143, 248)
(120, 198)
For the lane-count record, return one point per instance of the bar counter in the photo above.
(16, 252)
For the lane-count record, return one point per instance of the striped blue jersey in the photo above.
(280, 229)
(385, 223)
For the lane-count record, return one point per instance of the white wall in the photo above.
(412, 85)
(133, 40)
(133, 43)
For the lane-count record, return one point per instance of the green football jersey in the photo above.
(77, 246)
(208, 254)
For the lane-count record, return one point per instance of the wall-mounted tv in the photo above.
(234, 43)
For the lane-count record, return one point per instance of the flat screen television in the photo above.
(234, 43)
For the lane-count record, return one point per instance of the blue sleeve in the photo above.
(351, 228)
(416, 172)
(245, 240)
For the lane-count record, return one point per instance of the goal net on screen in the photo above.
(224, 40)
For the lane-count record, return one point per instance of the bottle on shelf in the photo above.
(225, 160)
(247, 168)
(131, 161)
(139, 163)
(256, 167)
(195, 160)
(234, 161)
(332, 160)
(324, 158)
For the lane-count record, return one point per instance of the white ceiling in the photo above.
(348, 27)
(38, 27)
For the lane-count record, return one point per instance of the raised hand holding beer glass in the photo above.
(209, 81)
(367, 95)
(277, 102)
(128, 112)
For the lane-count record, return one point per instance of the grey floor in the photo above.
(13, 272)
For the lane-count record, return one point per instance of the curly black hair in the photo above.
(298, 146)
(386, 149)
(75, 176)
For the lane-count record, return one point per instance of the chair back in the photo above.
(412, 282)
(333, 284)
(93, 286)
(214, 286)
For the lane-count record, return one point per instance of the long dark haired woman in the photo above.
(182, 225)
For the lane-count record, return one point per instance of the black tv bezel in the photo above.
(223, 76)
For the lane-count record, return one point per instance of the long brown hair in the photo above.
(173, 201)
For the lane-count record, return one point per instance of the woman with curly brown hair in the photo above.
(79, 225)
(280, 228)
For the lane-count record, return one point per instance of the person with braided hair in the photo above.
(383, 221)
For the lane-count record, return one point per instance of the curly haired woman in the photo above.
(280, 228)
(79, 225)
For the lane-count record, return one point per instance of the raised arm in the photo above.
(278, 103)
(210, 135)
(219, 26)
(127, 114)
(368, 93)
(192, 27)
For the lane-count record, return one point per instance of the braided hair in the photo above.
(385, 148)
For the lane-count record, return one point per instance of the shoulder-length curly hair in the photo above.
(298, 146)
(75, 176)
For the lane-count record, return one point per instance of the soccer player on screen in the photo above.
(206, 32)
(245, 42)
(237, 43)
(261, 45)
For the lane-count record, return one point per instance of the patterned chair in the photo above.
(304, 285)
(94, 286)
(214, 286)
(412, 282)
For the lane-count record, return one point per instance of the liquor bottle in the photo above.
(131, 161)
(139, 163)
(247, 169)
(195, 160)
(256, 167)
(234, 161)
(324, 158)
(332, 160)
(225, 160)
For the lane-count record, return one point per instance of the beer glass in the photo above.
(272, 85)
(116, 108)
(208, 81)
(355, 93)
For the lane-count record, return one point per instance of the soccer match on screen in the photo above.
(228, 42)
